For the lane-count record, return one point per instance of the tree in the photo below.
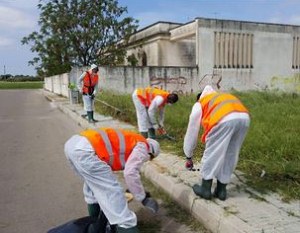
(79, 33)
(132, 60)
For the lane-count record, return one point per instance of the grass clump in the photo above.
(271, 152)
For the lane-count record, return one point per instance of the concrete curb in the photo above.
(211, 215)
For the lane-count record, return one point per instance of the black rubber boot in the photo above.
(203, 190)
(151, 133)
(128, 230)
(93, 209)
(220, 191)
(144, 134)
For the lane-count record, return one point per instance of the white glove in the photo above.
(155, 126)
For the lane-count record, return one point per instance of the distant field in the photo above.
(21, 85)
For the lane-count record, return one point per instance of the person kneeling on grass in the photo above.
(225, 121)
(95, 154)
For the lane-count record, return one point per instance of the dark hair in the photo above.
(172, 98)
(198, 96)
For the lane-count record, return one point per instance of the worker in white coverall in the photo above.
(147, 102)
(87, 84)
(225, 122)
(95, 154)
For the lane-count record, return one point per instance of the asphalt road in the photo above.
(39, 190)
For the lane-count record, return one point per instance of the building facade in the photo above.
(246, 55)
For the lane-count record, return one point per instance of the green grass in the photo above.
(21, 85)
(272, 144)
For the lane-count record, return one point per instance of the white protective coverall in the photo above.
(146, 117)
(100, 183)
(88, 102)
(223, 142)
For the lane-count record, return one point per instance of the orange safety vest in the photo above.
(215, 106)
(90, 80)
(113, 146)
(146, 95)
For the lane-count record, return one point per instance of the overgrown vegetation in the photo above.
(270, 156)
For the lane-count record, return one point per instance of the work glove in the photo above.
(161, 131)
(150, 203)
(92, 96)
(189, 163)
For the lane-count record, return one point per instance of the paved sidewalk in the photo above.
(245, 210)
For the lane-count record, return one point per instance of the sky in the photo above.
(19, 18)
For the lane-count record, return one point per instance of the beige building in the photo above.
(247, 55)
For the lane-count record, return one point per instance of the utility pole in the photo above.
(4, 70)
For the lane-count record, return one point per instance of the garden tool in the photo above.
(162, 134)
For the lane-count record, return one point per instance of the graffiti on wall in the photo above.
(174, 84)
(213, 79)
(287, 83)
(180, 84)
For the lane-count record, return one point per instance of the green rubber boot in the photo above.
(93, 209)
(93, 119)
(203, 190)
(144, 134)
(151, 133)
(90, 116)
(128, 230)
(220, 191)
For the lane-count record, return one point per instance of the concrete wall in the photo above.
(272, 57)
(58, 84)
(126, 79)
(182, 80)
